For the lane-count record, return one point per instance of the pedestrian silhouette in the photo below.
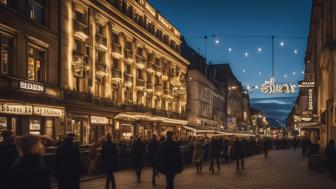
(109, 161)
(152, 148)
(138, 151)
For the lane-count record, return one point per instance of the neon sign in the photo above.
(270, 87)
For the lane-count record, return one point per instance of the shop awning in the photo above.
(199, 130)
(238, 134)
(135, 116)
(310, 125)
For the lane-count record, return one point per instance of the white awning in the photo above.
(137, 116)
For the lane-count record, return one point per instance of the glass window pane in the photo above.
(30, 68)
(4, 60)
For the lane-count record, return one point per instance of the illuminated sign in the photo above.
(269, 87)
(99, 120)
(31, 86)
(47, 111)
(310, 99)
(17, 109)
(307, 84)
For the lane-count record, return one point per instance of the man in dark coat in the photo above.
(68, 164)
(266, 147)
(238, 153)
(169, 160)
(152, 148)
(138, 151)
(109, 161)
(330, 158)
(29, 171)
(8, 155)
(214, 153)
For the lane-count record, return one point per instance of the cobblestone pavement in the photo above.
(283, 169)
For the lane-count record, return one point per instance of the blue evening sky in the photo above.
(244, 26)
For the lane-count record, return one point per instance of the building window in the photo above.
(36, 10)
(5, 54)
(80, 17)
(36, 61)
(115, 38)
(3, 2)
(115, 63)
(78, 46)
(115, 90)
(99, 87)
(128, 69)
(139, 74)
(100, 30)
(128, 95)
(128, 45)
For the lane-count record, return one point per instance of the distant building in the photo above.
(237, 99)
(206, 103)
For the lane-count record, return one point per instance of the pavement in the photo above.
(283, 169)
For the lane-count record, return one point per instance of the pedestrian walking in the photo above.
(8, 155)
(238, 153)
(109, 161)
(330, 158)
(68, 164)
(198, 154)
(266, 145)
(169, 160)
(152, 148)
(214, 154)
(138, 151)
(226, 150)
(29, 171)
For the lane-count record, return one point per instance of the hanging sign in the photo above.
(306, 84)
(48, 111)
(31, 86)
(18, 109)
(99, 120)
(270, 87)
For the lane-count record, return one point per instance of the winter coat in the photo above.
(138, 151)
(152, 148)
(30, 172)
(68, 165)
(198, 152)
(109, 157)
(169, 157)
(330, 157)
(8, 155)
(238, 149)
(214, 148)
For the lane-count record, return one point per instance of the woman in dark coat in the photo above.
(109, 161)
(330, 158)
(29, 171)
(238, 153)
(169, 160)
(138, 156)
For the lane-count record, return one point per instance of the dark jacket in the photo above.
(68, 165)
(238, 149)
(266, 144)
(168, 160)
(109, 157)
(8, 155)
(138, 153)
(214, 148)
(330, 157)
(152, 148)
(30, 172)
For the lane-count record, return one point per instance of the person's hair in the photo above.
(108, 136)
(26, 143)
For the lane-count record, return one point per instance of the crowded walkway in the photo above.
(282, 169)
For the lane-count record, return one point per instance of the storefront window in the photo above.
(3, 124)
(34, 126)
(35, 64)
(4, 51)
(49, 129)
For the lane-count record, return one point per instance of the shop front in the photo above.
(88, 124)
(25, 118)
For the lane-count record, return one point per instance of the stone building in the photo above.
(29, 67)
(121, 68)
(206, 103)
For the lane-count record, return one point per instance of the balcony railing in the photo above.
(116, 49)
(158, 87)
(149, 85)
(81, 30)
(128, 55)
(167, 92)
(101, 41)
(140, 60)
(128, 79)
(116, 74)
(140, 83)
(101, 68)
(157, 68)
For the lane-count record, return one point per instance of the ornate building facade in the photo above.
(122, 70)
(29, 67)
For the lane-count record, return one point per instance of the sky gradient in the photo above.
(244, 26)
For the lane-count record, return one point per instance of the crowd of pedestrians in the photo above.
(21, 164)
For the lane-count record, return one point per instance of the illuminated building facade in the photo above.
(29, 67)
(122, 70)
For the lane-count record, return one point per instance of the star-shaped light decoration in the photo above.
(282, 44)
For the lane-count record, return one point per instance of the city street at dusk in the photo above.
(167, 94)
